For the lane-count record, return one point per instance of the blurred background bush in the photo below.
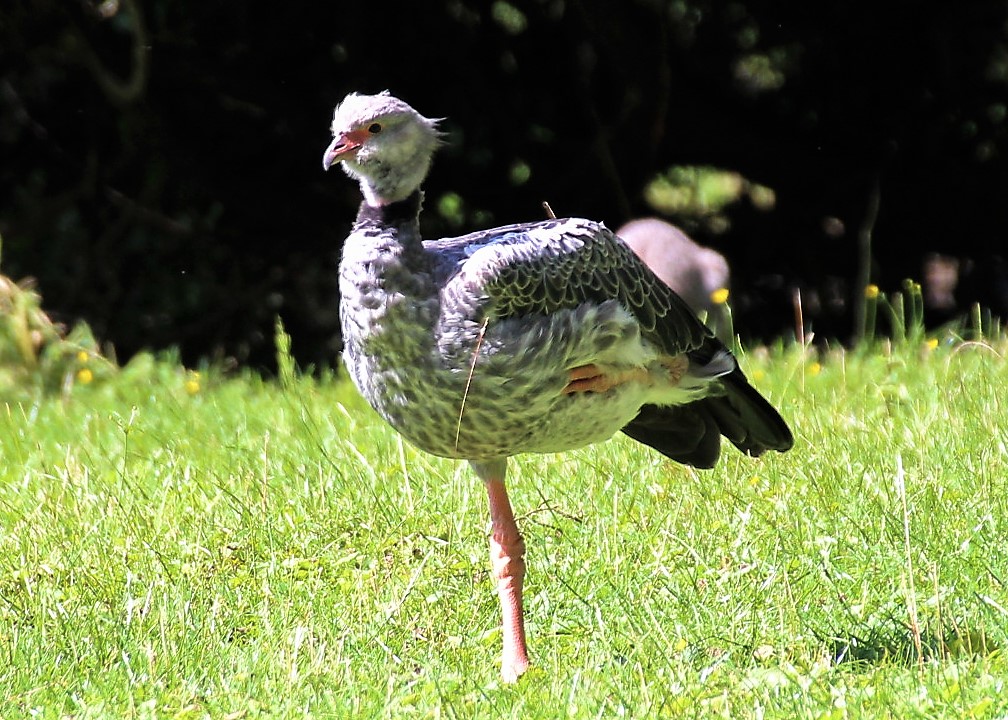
(161, 160)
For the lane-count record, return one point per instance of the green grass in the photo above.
(270, 549)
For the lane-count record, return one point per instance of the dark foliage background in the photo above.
(161, 172)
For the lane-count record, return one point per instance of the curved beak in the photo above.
(343, 147)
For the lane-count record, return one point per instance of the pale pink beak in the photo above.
(343, 147)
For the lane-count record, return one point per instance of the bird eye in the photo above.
(374, 128)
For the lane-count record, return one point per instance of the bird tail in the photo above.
(745, 417)
(691, 433)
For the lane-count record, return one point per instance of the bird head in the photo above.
(382, 143)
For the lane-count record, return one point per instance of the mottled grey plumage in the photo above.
(537, 337)
(465, 345)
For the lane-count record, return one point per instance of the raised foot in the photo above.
(587, 378)
(591, 378)
(677, 366)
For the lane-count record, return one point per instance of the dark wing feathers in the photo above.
(538, 268)
(736, 410)
(686, 433)
(691, 433)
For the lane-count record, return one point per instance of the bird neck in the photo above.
(404, 214)
(398, 229)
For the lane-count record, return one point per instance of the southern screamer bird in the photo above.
(529, 338)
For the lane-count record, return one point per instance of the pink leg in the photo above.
(507, 555)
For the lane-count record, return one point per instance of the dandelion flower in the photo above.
(814, 368)
(192, 383)
(871, 291)
(84, 376)
(719, 296)
(83, 357)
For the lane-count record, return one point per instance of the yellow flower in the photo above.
(680, 645)
(871, 291)
(192, 383)
(931, 343)
(83, 357)
(84, 376)
(814, 368)
(719, 296)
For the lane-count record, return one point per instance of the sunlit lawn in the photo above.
(187, 546)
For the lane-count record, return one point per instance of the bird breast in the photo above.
(457, 387)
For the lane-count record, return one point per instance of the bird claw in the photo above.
(512, 670)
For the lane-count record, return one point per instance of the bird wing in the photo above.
(540, 268)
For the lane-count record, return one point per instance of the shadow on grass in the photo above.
(896, 642)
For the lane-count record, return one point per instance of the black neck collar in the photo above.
(398, 213)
